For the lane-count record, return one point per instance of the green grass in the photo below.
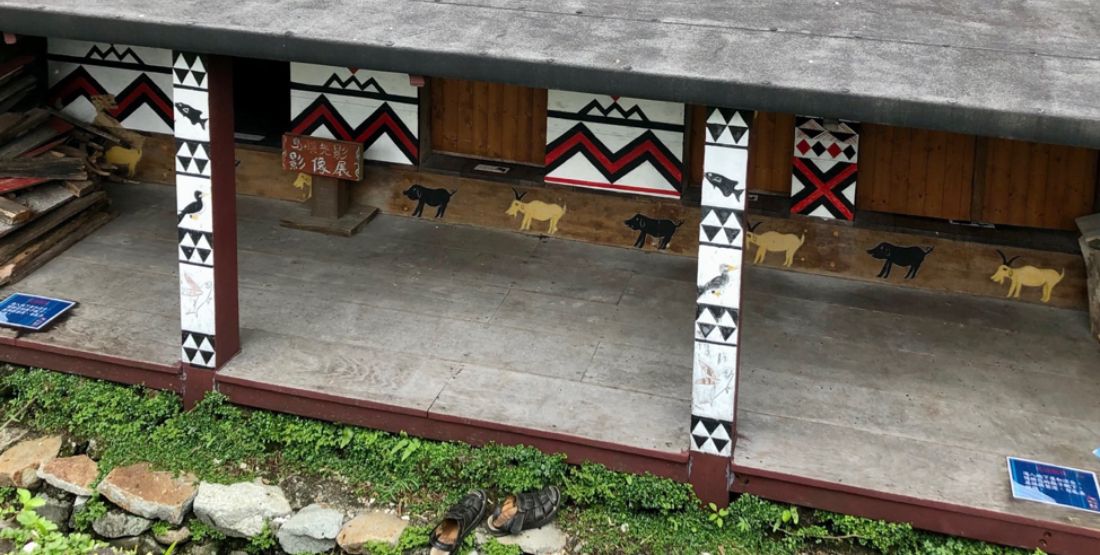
(610, 512)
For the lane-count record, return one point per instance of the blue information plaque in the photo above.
(31, 311)
(1053, 484)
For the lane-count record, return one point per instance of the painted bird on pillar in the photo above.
(191, 209)
(718, 283)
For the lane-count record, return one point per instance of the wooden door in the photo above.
(1037, 185)
(916, 172)
(493, 121)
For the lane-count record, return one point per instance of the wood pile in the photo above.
(51, 172)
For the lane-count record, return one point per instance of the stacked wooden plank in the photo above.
(51, 173)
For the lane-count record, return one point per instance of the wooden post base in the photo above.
(710, 477)
(331, 211)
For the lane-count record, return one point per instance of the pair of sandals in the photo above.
(525, 511)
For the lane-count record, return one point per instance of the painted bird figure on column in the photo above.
(717, 283)
(191, 209)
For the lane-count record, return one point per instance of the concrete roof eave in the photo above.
(1026, 70)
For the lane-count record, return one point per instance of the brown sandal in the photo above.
(460, 520)
(525, 511)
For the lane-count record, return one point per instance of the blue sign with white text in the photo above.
(31, 311)
(1053, 484)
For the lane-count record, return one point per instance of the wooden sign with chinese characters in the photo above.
(323, 157)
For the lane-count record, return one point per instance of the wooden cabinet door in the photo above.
(493, 121)
(915, 172)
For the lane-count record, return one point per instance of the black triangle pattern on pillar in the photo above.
(738, 132)
(711, 435)
(726, 331)
(715, 130)
(705, 329)
(711, 231)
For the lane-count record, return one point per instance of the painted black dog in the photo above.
(644, 225)
(724, 184)
(432, 197)
(910, 257)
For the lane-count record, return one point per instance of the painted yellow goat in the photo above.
(535, 210)
(773, 241)
(1026, 276)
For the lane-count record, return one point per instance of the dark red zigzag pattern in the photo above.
(384, 121)
(646, 148)
(141, 91)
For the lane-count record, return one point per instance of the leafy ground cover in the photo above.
(606, 511)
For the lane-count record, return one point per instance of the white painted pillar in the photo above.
(206, 208)
(718, 304)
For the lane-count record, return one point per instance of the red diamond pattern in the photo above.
(834, 150)
(802, 146)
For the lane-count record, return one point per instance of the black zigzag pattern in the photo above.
(352, 80)
(384, 121)
(614, 165)
(113, 53)
(615, 107)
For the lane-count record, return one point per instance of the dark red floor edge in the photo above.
(946, 518)
(71, 361)
(448, 428)
(957, 520)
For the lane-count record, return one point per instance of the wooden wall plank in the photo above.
(1037, 185)
(488, 120)
(915, 172)
(771, 146)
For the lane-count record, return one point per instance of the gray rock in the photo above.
(371, 526)
(142, 545)
(120, 524)
(311, 530)
(149, 493)
(19, 464)
(78, 505)
(178, 536)
(199, 549)
(57, 510)
(74, 475)
(548, 540)
(240, 510)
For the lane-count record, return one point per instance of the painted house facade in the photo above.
(855, 179)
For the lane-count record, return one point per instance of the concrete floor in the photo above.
(892, 389)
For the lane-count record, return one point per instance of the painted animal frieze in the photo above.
(1026, 276)
(436, 198)
(662, 230)
(535, 210)
(774, 241)
(906, 257)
